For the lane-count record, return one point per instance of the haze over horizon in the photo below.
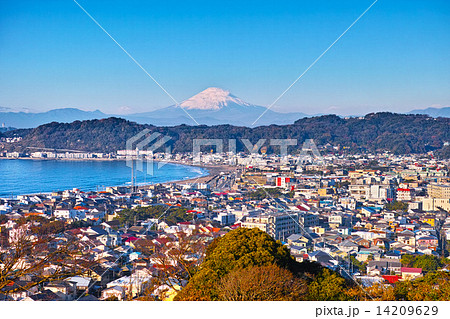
(394, 59)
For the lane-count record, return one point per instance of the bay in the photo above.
(19, 176)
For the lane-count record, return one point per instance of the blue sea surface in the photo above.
(18, 176)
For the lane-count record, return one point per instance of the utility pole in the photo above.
(132, 174)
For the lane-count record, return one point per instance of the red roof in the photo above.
(391, 278)
(411, 270)
(403, 190)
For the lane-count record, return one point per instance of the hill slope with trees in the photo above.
(398, 133)
(248, 264)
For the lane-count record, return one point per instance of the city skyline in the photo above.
(393, 59)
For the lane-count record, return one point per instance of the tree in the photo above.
(170, 214)
(238, 249)
(177, 260)
(39, 256)
(261, 283)
(396, 205)
(265, 193)
(426, 262)
(408, 260)
(327, 286)
(360, 265)
(434, 286)
(376, 292)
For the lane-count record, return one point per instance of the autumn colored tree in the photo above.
(434, 286)
(261, 283)
(177, 260)
(378, 291)
(238, 249)
(40, 256)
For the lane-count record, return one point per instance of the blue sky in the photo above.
(395, 58)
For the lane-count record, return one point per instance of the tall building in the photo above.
(279, 225)
(439, 191)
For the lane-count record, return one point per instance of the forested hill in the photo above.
(398, 133)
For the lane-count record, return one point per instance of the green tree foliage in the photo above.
(170, 214)
(239, 249)
(360, 265)
(327, 286)
(398, 133)
(247, 264)
(426, 262)
(396, 205)
(265, 193)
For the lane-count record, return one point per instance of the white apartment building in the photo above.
(279, 225)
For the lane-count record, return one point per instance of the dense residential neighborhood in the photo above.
(372, 218)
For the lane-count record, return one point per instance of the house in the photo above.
(393, 254)
(88, 298)
(131, 285)
(116, 292)
(323, 258)
(69, 214)
(298, 240)
(428, 241)
(100, 274)
(361, 242)
(348, 246)
(81, 283)
(167, 292)
(365, 254)
(383, 267)
(410, 273)
(65, 290)
(381, 242)
(45, 295)
(407, 237)
(13, 290)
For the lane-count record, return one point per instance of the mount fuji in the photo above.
(214, 106)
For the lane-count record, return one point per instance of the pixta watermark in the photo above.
(142, 147)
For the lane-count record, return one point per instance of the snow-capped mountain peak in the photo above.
(212, 99)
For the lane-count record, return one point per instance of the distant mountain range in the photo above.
(30, 120)
(433, 112)
(213, 106)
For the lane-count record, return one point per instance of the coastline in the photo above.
(209, 172)
(212, 171)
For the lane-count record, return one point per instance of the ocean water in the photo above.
(18, 176)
